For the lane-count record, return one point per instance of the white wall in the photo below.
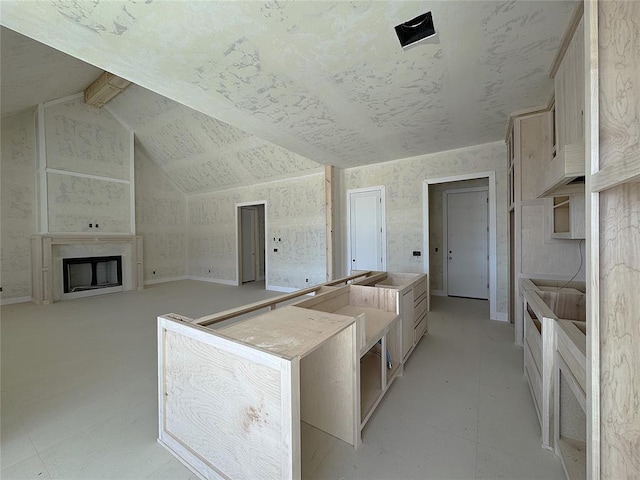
(404, 201)
(295, 213)
(161, 220)
(82, 140)
(18, 203)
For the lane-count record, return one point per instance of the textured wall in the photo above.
(160, 219)
(76, 202)
(403, 180)
(294, 213)
(436, 226)
(85, 140)
(18, 204)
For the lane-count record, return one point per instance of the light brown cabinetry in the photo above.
(566, 153)
(412, 291)
(566, 215)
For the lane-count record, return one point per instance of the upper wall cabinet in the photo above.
(85, 170)
(566, 156)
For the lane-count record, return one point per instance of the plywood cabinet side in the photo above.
(569, 92)
(615, 210)
(248, 398)
(533, 148)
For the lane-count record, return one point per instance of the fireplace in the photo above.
(89, 274)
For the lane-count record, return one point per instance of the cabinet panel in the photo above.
(566, 216)
(419, 290)
(569, 92)
(406, 306)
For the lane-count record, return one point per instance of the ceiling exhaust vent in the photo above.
(415, 30)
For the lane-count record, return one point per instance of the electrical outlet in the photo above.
(275, 250)
(307, 280)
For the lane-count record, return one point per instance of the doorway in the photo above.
(251, 241)
(366, 241)
(432, 221)
(466, 242)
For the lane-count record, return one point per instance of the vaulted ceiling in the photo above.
(326, 80)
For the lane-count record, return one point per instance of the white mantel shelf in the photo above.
(42, 259)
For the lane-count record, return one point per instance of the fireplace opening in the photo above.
(91, 273)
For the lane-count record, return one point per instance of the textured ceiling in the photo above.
(326, 80)
(32, 74)
(199, 153)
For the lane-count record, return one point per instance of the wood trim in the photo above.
(566, 39)
(272, 302)
(329, 192)
(88, 175)
(625, 170)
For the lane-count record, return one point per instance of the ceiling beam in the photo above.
(104, 88)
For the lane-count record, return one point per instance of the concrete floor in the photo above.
(79, 382)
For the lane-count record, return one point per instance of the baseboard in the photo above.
(438, 293)
(275, 288)
(213, 280)
(164, 280)
(9, 301)
(501, 317)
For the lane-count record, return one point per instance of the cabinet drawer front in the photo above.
(420, 329)
(419, 310)
(419, 290)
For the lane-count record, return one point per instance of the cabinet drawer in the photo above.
(419, 291)
(420, 329)
(419, 310)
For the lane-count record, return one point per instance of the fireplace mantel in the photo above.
(43, 268)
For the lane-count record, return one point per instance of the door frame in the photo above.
(239, 239)
(493, 245)
(383, 206)
(445, 231)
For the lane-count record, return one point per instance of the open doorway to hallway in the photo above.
(461, 252)
(251, 264)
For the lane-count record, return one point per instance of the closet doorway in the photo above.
(251, 241)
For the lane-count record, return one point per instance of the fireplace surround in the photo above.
(48, 253)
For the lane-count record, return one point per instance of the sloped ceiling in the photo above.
(199, 153)
(326, 80)
(32, 73)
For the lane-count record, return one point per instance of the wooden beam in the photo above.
(104, 88)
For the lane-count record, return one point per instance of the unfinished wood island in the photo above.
(234, 386)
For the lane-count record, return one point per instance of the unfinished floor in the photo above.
(79, 382)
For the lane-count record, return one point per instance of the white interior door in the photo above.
(248, 243)
(467, 244)
(366, 230)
